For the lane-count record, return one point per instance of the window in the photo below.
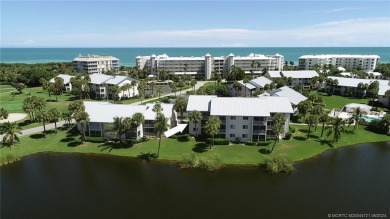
(245, 118)
(232, 126)
(244, 135)
(232, 135)
(245, 127)
(232, 117)
(194, 129)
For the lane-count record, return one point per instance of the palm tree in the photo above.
(11, 131)
(317, 111)
(337, 127)
(119, 127)
(311, 121)
(157, 108)
(373, 89)
(246, 80)
(304, 108)
(212, 127)
(54, 114)
(172, 85)
(83, 119)
(133, 85)
(357, 115)
(181, 106)
(324, 119)
(160, 126)
(193, 83)
(137, 119)
(195, 116)
(152, 85)
(387, 94)
(67, 116)
(237, 86)
(3, 114)
(13, 95)
(43, 117)
(160, 91)
(278, 122)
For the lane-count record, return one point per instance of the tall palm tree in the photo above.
(212, 127)
(312, 120)
(160, 126)
(278, 122)
(157, 108)
(317, 111)
(152, 85)
(43, 117)
(159, 90)
(195, 117)
(357, 115)
(54, 115)
(237, 86)
(337, 128)
(137, 119)
(133, 85)
(67, 116)
(324, 118)
(193, 83)
(83, 119)
(172, 85)
(11, 131)
(304, 108)
(181, 106)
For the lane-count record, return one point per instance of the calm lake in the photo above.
(346, 180)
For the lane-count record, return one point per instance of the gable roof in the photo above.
(105, 111)
(63, 76)
(294, 96)
(199, 102)
(384, 85)
(109, 79)
(278, 104)
(260, 82)
(293, 74)
(247, 85)
(236, 106)
(150, 115)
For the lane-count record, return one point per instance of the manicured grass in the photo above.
(337, 101)
(298, 148)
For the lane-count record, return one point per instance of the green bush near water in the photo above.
(211, 162)
(278, 164)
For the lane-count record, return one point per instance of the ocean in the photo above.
(127, 55)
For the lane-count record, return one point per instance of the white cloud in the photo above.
(356, 32)
(341, 9)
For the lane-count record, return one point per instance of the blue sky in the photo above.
(194, 23)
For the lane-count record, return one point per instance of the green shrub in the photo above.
(189, 161)
(292, 129)
(218, 141)
(288, 135)
(211, 162)
(95, 139)
(278, 164)
(251, 143)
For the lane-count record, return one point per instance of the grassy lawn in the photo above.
(297, 148)
(337, 101)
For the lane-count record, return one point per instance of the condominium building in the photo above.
(248, 88)
(205, 66)
(301, 78)
(100, 84)
(96, 64)
(102, 114)
(366, 63)
(250, 123)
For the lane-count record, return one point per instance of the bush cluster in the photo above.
(95, 139)
(211, 162)
(278, 164)
(288, 135)
(218, 141)
(251, 143)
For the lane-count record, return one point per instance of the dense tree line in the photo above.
(384, 69)
(31, 74)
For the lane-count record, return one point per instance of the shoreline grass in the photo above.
(173, 150)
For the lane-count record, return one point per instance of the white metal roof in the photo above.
(260, 82)
(117, 79)
(384, 85)
(105, 111)
(278, 104)
(293, 74)
(247, 85)
(63, 76)
(99, 78)
(294, 96)
(238, 106)
(167, 111)
(338, 56)
(90, 58)
(383, 89)
(199, 102)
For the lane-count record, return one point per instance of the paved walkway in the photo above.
(38, 129)
(197, 86)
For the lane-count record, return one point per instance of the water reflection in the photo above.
(347, 180)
